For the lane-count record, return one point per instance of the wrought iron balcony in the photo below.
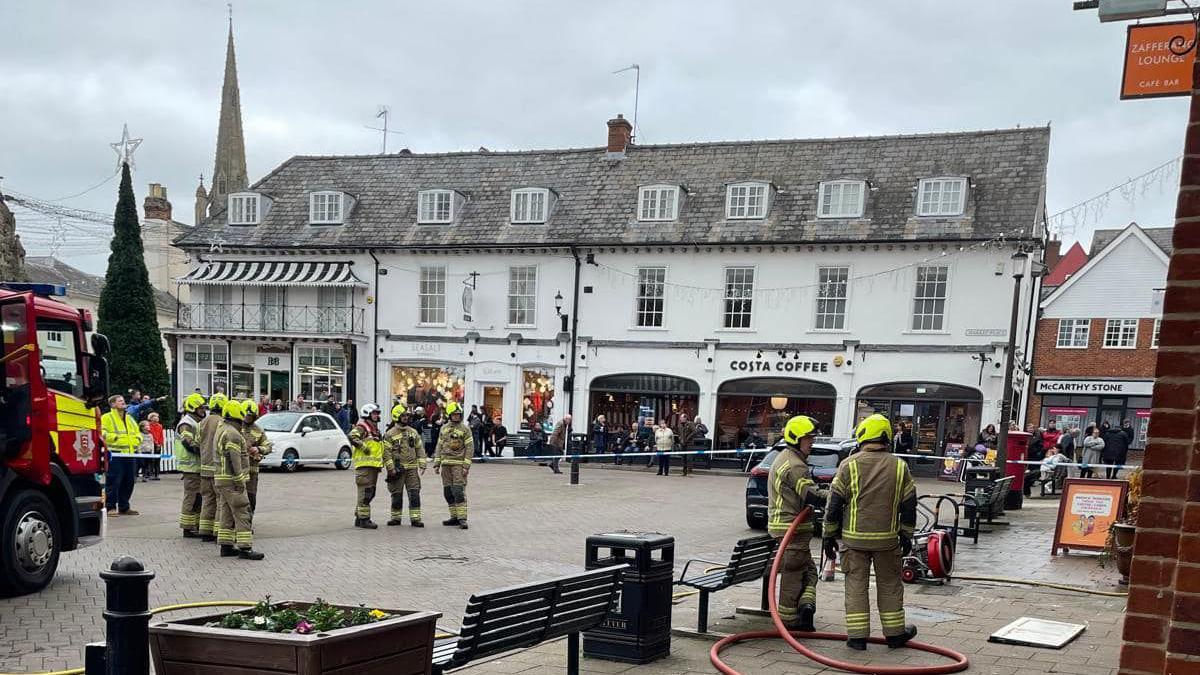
(272, 318)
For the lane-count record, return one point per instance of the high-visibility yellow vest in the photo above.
(186, 460)
(368, 452)
(121, 433)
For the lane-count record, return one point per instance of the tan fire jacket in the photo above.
(872, 501)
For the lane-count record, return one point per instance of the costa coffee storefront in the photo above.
(761, 393)
(1085, 402)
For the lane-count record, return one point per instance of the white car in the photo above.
(300, 438)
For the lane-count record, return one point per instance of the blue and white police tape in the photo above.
(138, 455)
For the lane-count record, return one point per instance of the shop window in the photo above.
(205, 367)
(739, 296)
(537, 397)
(751, 412)
(627, 398)
(428, 387)
(322, 373)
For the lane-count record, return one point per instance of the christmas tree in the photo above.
(127, 314)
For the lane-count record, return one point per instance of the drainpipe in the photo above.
(375, 334)
(574, 332)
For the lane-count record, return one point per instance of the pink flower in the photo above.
(304, 627)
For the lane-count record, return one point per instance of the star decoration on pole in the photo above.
(125, 148)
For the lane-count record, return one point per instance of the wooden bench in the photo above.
(518, 617)
(750, 561)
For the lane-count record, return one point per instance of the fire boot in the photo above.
(394, 522)
(859, 644)
(208, 537)
(249, 554)
(190, 534)
(417, 523)
(894, 641)
(462, 524)
(228, 551)
(450, 523)
(365, 523)
(805, 624)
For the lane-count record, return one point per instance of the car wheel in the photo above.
(755, 522)
(290, 461)
(29, 543)
(343, 459)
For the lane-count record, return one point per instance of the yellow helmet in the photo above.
(453, 407)
(216, 402)
(234, 410)
(397, 411)
(249, 407)
(193, 402)
(798, 427)
(874, 428)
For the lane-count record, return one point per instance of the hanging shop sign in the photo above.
(779, 366)
(1152, 70)
(1087, 509)
(1116, 387)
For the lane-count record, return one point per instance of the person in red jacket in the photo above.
(156, 432)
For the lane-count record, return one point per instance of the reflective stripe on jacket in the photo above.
(368, 447)
(404, 445)
(233, 463)
(455, 445)
(121, 433)
(207, 431)
(187, 445)
(789, 488)
(872, 501)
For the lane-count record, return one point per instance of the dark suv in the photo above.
(827, 454)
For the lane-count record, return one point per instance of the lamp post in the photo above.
(569, 381)
(1019, 259)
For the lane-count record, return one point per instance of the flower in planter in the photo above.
(377, 615)
(303, 627)
(260, 621)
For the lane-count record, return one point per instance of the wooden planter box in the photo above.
(402, 645)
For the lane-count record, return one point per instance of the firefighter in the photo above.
(187, 460)
(229, 480)
(207, 430)
(369, 459)
(452, 460)
(259, 446)
(404, 445)
(790, 488)
(873, 509)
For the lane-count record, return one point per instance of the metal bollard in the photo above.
(574, 471)
(127, 621)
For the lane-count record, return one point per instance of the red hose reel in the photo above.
(932, 559)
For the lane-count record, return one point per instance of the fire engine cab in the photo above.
(50, 443)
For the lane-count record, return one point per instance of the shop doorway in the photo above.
(274, 384)
(493, 400)
(937, 414)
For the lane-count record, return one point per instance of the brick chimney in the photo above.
(156, 206)
(620, 135)
(1053, 253)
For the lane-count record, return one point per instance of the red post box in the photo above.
(1018, 444)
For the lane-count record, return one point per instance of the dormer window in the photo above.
(530, 205)
(841, 199)
(658, 202)
(746, 200)
(325, 208)
(435, 206)
(941, 196)
(244, 209)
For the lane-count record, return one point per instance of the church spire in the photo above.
(229, 173)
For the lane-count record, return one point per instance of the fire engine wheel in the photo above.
(29, 543)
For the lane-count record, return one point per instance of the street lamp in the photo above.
(1019, 259)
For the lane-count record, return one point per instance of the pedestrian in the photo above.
(1051, 434)
(452, 460)
(330, 406)
(790, 489)
(298, 405)
(369, 461)
(558, 441)
(475, 423)
(645, 438)
(435, 429)
(187, 460)
(488, 426)
(1093, 451)
(686, 433)
(621, 442)
(404, 444)
(145, 447)
(537, 437)
(258, 445)
(122, 437)
(1130, 434)
(1049, 462)
(600, 435)
(988, 437)
(1067, 442)
(664, 442)
(872, 508)
(264, 405)
(343, 417)
(903, 442)
(277, 405)
(1116, 449)
(499, 437)
(156, 433)
(229, 480)
(207, 432)
(1034, 452)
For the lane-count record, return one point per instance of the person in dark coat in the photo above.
(600, 435)
(623, 439)
(1116, 448)
(1034, 452)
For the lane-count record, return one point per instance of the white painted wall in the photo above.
(1120, 285)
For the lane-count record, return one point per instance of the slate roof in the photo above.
(595, 197)
(51, 270)
(1158, 235)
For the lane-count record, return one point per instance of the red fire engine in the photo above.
(50, 444)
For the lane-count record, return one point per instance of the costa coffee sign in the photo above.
(779, 366)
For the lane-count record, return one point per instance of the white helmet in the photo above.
(367, 409)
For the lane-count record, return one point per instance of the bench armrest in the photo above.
(683, 574)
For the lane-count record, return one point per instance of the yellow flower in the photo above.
(377, 614)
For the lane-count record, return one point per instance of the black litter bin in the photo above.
(638, 629)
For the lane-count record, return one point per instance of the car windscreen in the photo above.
(824, 461)
(766, 461)
(283, 421)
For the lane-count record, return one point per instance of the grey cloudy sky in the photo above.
(517, 75)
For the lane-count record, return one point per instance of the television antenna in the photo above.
(384, 113)
(637, 86)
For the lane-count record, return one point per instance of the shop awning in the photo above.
(639, 383)
(278, 273)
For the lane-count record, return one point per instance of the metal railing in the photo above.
(272, 318)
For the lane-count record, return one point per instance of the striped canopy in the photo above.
(280, 273)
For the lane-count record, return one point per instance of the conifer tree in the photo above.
(126, 312)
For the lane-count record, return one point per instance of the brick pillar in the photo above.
(1162, 620)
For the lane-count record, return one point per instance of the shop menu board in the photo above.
(1087, 509)
(951, 464)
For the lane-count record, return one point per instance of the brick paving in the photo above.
(528, 523)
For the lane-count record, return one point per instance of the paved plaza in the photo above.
(526, 524)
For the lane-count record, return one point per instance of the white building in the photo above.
(743, 281)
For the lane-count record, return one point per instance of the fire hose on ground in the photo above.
(781, 631)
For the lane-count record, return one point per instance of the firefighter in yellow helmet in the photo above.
(790, 488)
(403, 443)
(369, 460)
(873, 510)
(232, 472)
(187, 460)
(207, 432)
(258, 446)
(452, 459)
